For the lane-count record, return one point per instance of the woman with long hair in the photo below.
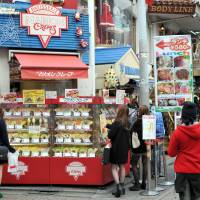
(119, 136)
(3, 142)
(185, 145)
(139, 152)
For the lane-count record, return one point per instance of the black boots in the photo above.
(120, 190)
(117, 193)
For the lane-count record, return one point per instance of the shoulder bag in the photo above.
(3, 153)
(135, 140)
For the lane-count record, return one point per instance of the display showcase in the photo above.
(59, 143)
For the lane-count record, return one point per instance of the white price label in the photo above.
(34, 129)
(34, 154)
(7, 113)
(61, 127)
(78, 127)
(58, 154)
(86, 127)
(67, 114)
(67, 140)
(77, 140)
(77, 114)
(59, 113)
(44, 140)
(46, 114)
(18, 126)
(44, 154)
(67, 154)
(37, 114)
(26, 114)
(59, 140)
(69, 127)
(35, 140)
(25, 140)
(10, 126)
(82, 155)
(17, 113)
(85, 114)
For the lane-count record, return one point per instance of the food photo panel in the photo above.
(164, 62)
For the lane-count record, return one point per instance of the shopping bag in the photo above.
(3, 153)
(13, 162)
(135, 140)
(106, 155)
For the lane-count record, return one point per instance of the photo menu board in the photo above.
(173, 71)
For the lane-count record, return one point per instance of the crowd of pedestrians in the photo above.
(184, 145)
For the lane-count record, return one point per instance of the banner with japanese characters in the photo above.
(173, 71)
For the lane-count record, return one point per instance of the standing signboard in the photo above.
(149, 127)
(173, 71)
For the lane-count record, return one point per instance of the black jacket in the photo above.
(137, 127)
(4, 137)
(119, 137)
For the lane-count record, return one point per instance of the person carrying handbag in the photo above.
(3, 142)
(119, 136)
(139, 150)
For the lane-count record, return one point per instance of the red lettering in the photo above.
(51, 29)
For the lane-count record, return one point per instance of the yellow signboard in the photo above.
(33, 97)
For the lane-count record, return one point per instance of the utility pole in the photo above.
(143, 53)
(91, 71)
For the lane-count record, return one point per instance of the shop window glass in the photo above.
(114, 22)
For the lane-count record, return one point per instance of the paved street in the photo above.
(76, 193)
(57, 193)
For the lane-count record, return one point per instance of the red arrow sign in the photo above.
(174, 45)
(163, 44)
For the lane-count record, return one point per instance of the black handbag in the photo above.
(3, 153)
(106, 156)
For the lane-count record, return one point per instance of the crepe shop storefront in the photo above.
(40, 47)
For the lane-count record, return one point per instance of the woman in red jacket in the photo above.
(185, 145)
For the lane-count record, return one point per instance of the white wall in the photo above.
(4, 72)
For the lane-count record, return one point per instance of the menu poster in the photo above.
(173, 71)
(120, 94)
(149, 127)
(74, 93)
(51, 95)
(33, 97)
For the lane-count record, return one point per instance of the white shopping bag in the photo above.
(13, 162)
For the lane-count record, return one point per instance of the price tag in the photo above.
(59, 140)
(43, 129)
(91, 155)
(85, 114)
(67, 140)
(11, 126)
(17, 126)
(77, 140)
(34, 129)
(82, 155)
(26, 153)
(17, 113)
(67, 154)
(69, 127)
(34, 154)
(86, 127)
(25, 140)
(78, 127)
(8, 113)
(59, 113)
(17, 140)
(45, 140)
(77, 114)
(67, 114)
(37, 114)
(26, 114)
(46, 114)
(61, 127)
(74, 154)
(58, 154)
(35, 140)
(44, 154)
(86, 140)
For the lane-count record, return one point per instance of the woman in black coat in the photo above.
(139, 152)
(119, 136)
(3, 142)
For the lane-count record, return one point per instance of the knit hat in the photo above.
(189, 112)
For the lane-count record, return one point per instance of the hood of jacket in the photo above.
(192, 131)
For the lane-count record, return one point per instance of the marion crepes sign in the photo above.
(44, 21)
